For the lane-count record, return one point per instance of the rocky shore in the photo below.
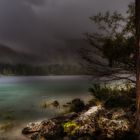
(96, 123)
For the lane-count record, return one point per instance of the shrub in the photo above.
(114, 95)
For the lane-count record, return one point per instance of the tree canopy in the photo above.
(114, 38)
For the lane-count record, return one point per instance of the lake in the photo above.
(21, 98)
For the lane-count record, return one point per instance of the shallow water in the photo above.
(20, 99)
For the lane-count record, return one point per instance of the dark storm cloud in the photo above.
(38, 25)
(36, 2)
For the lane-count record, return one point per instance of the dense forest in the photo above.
(25, 69)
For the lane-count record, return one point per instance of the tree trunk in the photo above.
(138, 65)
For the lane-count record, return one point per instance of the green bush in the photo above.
(113, 95)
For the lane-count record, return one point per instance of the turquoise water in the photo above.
(20, 98)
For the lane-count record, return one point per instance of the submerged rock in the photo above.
(76, 105)
(6, 126)
(55, 104)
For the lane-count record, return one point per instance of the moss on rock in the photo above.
(71, 128)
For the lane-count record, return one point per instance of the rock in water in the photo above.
(55, 104)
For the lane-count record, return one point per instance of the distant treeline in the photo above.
(24, 69)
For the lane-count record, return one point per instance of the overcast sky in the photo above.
(38, 25)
